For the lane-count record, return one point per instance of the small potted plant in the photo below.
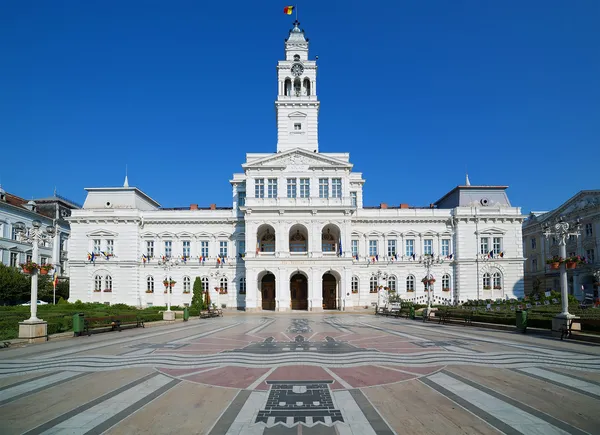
(487, 287)
(45, 268)
(149, 291)
(29, 267)
(446, 289)
(497, 287)
(555, 262)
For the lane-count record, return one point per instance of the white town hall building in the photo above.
(297, 235)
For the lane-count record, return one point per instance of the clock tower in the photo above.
(297, 106)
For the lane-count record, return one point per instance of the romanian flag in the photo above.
(55, 282)
(288, 10)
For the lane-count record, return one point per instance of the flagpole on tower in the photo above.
(296, 12)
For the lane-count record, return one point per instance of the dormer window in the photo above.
(296, 57)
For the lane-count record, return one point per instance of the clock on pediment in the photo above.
(297, 69)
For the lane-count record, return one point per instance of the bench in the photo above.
(110, 323)
(213, 312)
(465, 316)
(403, 312)
(567, 329)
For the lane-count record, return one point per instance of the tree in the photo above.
(198, 296)
(15, 287)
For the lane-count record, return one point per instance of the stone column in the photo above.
(282, 290)
(252, 291)
(315, 290)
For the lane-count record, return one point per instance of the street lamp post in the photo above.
(167, 264)
(34, 329)
(562, 231)
(428, 261)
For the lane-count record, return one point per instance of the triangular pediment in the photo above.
(578, 204)
(102, 233)
(297, 157)
(297, 115)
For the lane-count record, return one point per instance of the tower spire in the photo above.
(467, 182)
(126, 183)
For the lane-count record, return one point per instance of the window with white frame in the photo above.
(391, 248)
(410, 283)
(589, 231)
(533, 243)
(373, 284)
(204, 248)
(187, 284)
(28, 258)
(14, 234)
(323, 187)
(97, 283)
(353, 199)
(186, 248)
(428, 246)
(110, 246)
(336, 187)
(485, 245)
(445, 247)
(304, 187)
(223, 248)
(150, 248)
(354, 244)
(497, 244)
(590, 255)
(446, 282)
(241, 248)
(223, 285)
(43, 260)
(14, 259)
(150, 284)
(272, 188)
(108, 283)
(168, 248)
(486, 281)
(205, 284)
(291, 187)
(497, 280)
(355, 284)
(259, 188)
(372, 248)
(410, 247)
(97, 246)
(534, 265)
(241, 199)
(242, 286)
(392, 283)
(297, 126)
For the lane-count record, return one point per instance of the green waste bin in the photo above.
(78, 324)
(412, 312)
(186, 314)
(522, 321)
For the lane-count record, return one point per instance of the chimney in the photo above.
(193, 206)
(213, 206)
(403, 205)
(383, 206)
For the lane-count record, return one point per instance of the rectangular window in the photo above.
(241, 199)
(204, 248)
(534, 264)
(291, 187)
(354, 248)
(485, 245)
(186, 248)
(410, 247)
(336, 187)
(15, 234)
(445, 247)
(14, 258)
(304, 187)
(43, 260)
(297, 126)
(272, 188)
(150, 248)
(372, 248)
(110, 246)
(588, 230)
(497, 245)
(97, 246)
(533, 243)
(353, 199)
(241, 248)
(28, 258)
(590, 255)
(259, 188)
(323, 187)
(223, 249)
(168, 248)
(428, 246)
(391, 248)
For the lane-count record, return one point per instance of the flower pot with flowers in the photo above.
(555, 262)
(45, 268)
(168, 283)
(29, 267)
(487, 287)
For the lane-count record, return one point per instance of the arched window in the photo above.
(267, 242)
(97, 283)
(150, 285)
(373, 284)
(486, 281)
(297, 87)
(296, 57)
(287, 88)
(410, 283)
(497, 280)
(204, 281)
(108, 284)
(446, 282)
(307, 86)
(328, 241)
(242, 286)
(298, 236)
(187, 284)
(392, 283)
(354, 284)
(223, 286)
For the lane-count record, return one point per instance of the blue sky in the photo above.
(417, 92)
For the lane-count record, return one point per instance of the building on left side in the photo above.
(50, 211)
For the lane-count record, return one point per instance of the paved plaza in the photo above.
(302, 373)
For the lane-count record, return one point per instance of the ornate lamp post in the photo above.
(33, 328)
(428, 261)
(167, 264)
(562, 230)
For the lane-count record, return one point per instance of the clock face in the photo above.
(297, 69)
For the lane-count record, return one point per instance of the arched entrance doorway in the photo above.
(329, 292)
(267, 288)
(299, 292)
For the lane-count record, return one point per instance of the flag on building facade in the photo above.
(55, 281)
(288, 10)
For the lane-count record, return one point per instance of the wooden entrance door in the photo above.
(329, 292)
(268, 292)
(299, 292)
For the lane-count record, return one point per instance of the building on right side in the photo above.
(585, 206)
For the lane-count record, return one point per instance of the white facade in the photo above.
(297, 235)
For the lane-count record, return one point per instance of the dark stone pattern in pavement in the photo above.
(329, 346)
(299, 326)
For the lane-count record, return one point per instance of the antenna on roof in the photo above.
(467, 182)
(126, 183)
